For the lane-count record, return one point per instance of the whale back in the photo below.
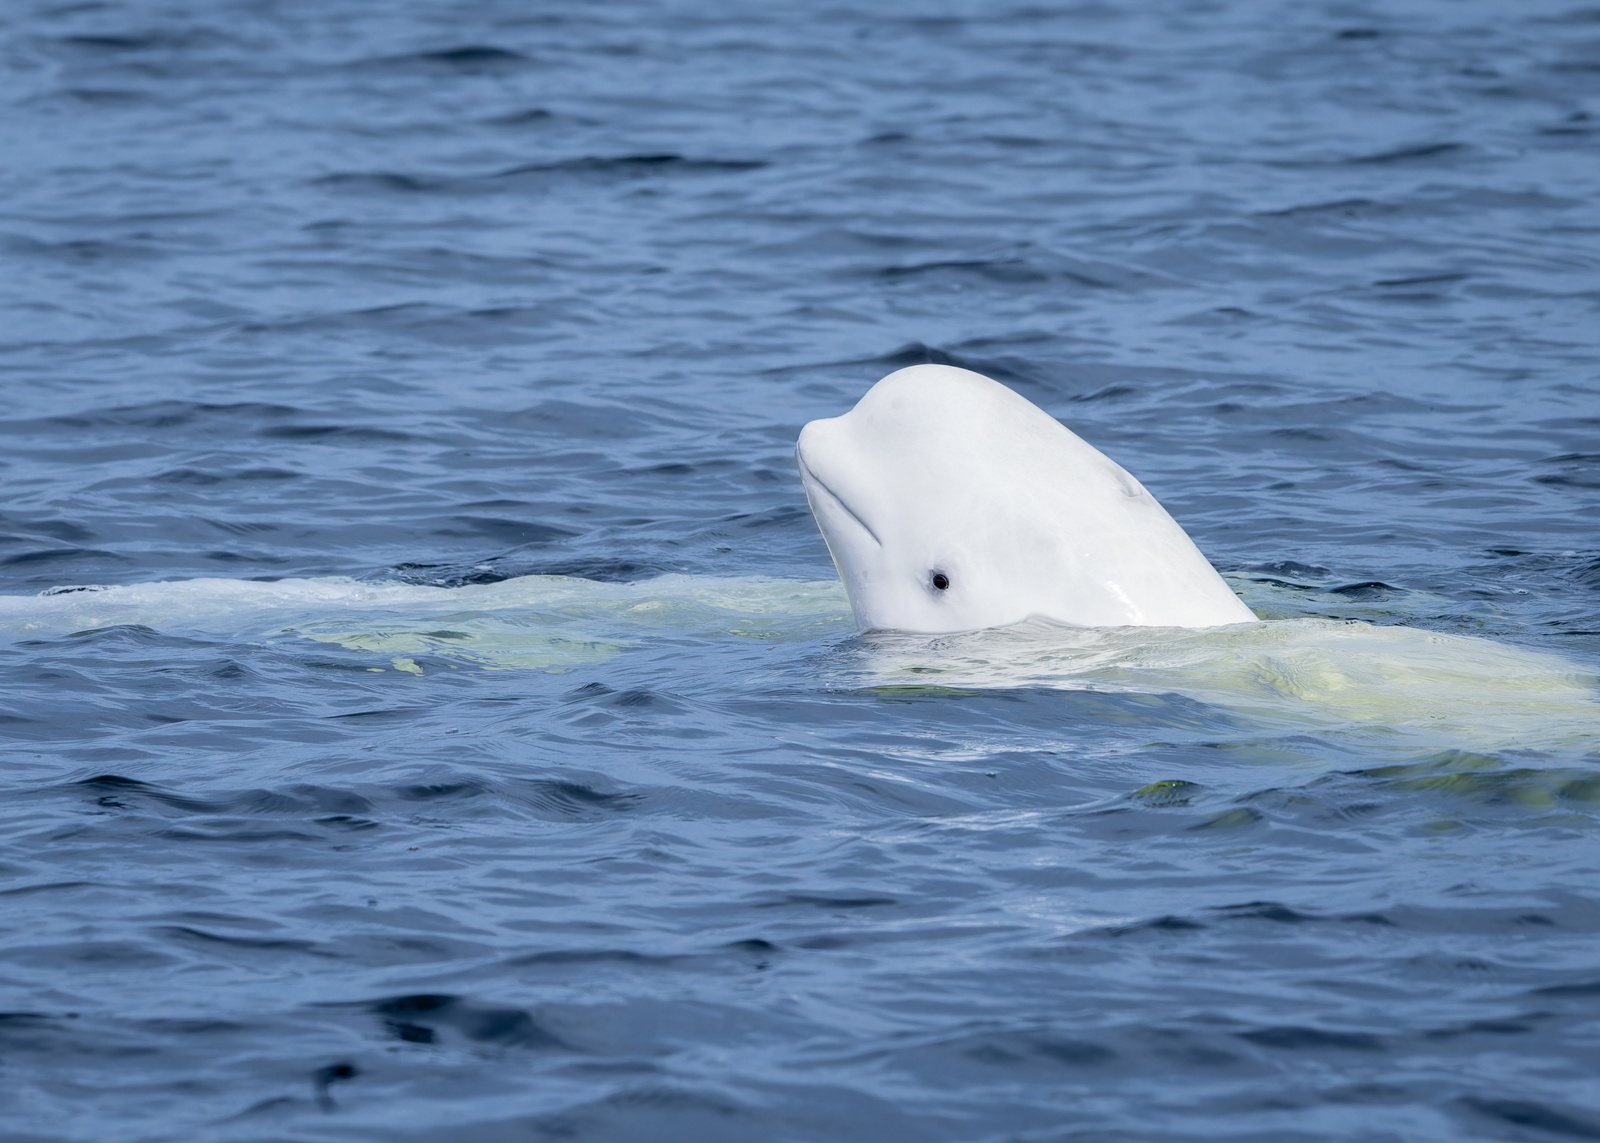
(951, 503)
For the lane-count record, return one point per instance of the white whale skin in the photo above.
(943, 476)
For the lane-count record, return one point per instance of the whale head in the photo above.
(951, 503)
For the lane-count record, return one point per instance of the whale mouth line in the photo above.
(805, 471)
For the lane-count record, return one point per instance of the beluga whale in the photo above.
(951, 503)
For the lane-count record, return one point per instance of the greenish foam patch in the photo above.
(1488, 780)
(543, 623)
(1387, 687)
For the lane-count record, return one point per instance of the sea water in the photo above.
(429, 711)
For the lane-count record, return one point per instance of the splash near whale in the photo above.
(950, 503)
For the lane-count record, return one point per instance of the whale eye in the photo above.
(941, 581)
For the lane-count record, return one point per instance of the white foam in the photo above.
(527, 622)
(1284, 675)
(1452, 690)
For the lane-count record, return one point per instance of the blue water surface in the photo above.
(446, 294)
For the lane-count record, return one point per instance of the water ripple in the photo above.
(429, 709)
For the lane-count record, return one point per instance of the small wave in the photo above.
(1540, 1116)
(1410, 154)
(918, 353)
(381, 181)
(601, 167)
(467, 59)
(423, 1018)
(152, 415)
(631, 165)
(1007, 270)
(61, 555)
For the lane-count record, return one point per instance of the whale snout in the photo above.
(813, 440)
(830, 505)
